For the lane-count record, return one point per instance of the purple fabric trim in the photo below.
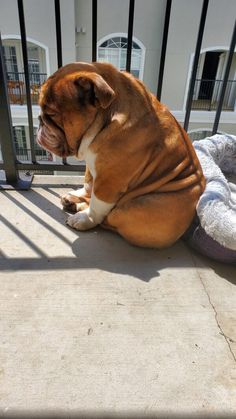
(197, 238)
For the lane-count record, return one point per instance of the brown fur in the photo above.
(145, 162)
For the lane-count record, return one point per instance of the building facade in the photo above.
(76, 21)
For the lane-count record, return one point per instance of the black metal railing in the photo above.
(16, 87)
(207, 94)
(13, 166)
(25, 154)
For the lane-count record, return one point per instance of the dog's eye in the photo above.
(49, 116)
(53, 119)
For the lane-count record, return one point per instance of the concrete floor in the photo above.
(93, 327)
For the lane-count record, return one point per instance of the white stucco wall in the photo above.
(148, 28)
(184, 22)
(113, 18)
(40, 26)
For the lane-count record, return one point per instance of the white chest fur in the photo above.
(98, 209)
(85, 153)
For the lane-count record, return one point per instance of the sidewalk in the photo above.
(91, 324)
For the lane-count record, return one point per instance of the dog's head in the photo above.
(70, 100)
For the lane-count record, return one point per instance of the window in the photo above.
(13, 60)
(209, 81)
(19, 138)
(23, 152)
(33, 63)
(34, 71)
(114, 50)
(9, 54)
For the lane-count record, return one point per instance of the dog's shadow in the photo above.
(108, 252)
(104, 250)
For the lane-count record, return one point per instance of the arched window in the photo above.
(113, 49)
(37, 65)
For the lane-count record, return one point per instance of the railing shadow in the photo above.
(95, 249)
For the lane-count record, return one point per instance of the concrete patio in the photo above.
(93, 327)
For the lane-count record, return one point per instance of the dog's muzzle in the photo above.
(52, 139)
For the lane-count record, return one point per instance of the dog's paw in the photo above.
(81, 221)
(72, 203)
(68, 202)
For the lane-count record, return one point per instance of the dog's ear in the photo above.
(92, 88)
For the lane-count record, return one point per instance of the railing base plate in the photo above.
(22, 184)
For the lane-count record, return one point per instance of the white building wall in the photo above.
(40, 26)
(183, 28)
(148, 28)
(184, 22)
(113, 18)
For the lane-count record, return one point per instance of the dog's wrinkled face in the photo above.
(70, 100)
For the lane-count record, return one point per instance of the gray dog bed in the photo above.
(213, 232)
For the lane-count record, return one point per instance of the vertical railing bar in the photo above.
(58, 32)
(163, 48)
(225, 80)
(94, 30)
(27, 81)
(59, 42)
(195, 63)
(130, 35)
(7, 141)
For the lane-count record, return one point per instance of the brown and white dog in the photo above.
(143, 179)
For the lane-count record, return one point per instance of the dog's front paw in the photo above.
(81, 221)
(69, 202)
(72, 203)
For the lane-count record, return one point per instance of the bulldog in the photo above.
(143, 179)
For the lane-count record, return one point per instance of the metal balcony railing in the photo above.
(207, 94)
(13, 166)
(16, 87)
(25, 154)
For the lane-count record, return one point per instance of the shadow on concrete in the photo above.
(227, 272)
(105, 251)
(99, 249)
(223, 270)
